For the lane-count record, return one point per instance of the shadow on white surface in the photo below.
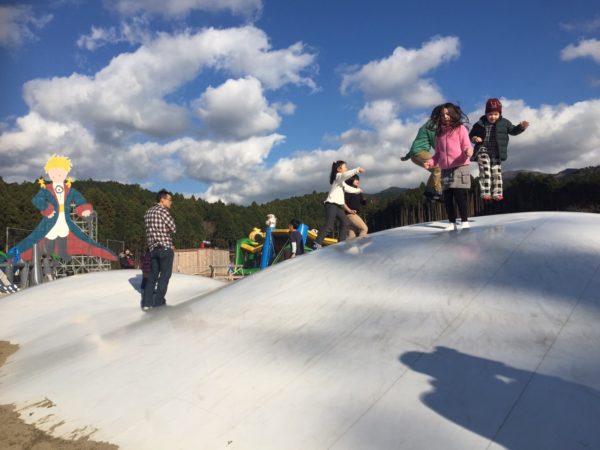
(518, 409)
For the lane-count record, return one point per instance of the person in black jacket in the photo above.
(354, 202)
(490, 136)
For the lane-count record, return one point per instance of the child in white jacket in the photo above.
(334, 203)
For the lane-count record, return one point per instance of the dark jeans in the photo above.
(144, 281)
(460, 195)
(333, 210)
(158, 278)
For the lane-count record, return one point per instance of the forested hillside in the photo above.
(570, 190)
(121, 208)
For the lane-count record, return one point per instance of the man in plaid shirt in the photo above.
(159, 227)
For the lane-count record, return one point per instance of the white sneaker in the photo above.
(451, 227)
(465, 225)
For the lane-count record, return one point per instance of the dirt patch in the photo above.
(18, 435)
(6, 349)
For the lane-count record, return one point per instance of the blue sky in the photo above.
(245, 100)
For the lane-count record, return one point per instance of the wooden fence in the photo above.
(202, 261)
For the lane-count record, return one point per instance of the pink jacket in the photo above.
(450, 146)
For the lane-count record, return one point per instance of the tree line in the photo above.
(121, 207)
(570, 190)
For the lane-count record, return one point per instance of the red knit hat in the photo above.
(493, 105)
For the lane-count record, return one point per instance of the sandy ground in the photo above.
(18, 435)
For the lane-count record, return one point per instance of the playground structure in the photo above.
(84, 263)
(262, 249)
(65, 237)
(30, 273)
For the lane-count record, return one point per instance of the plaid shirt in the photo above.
(159, 226)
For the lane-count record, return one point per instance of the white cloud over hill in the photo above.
(127, 123)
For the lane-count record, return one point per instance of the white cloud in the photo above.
(295, 175)
(98, 37)
(181, 8)
(273, 68)
(18, 25)
(134, 31)
(129, 95)
(209, 161)
(287, 108)
(220, 161)
(115, 99)
(399, 77)
(238, 108)
(25, 150)
(123, 122)
(378, 113)
(590, 25)
(585, 48)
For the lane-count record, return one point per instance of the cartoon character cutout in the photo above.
(57, 233)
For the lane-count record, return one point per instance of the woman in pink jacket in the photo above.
(452, 153)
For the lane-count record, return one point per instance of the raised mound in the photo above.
(415, 337)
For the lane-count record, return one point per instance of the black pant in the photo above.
(162, 267)
(333, 210)
(460, 195)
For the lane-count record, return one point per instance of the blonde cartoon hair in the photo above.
(58, 162)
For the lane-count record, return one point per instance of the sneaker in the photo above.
(486, 198)
(498, 198)
(316, 246)
(465, 225)
(451, 227)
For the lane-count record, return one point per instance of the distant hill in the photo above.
(120, 208)
(572, 172)
(564, 174)
(387, 193)
(510, 174)
(394, 191)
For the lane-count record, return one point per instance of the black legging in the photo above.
(333, 210)
(460, 195)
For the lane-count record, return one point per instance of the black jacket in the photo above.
(354, 201)
(503, 128)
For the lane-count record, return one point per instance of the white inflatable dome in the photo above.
(411, 338)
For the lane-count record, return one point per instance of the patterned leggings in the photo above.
(490, 175)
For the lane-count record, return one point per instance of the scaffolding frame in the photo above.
(83, 263)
